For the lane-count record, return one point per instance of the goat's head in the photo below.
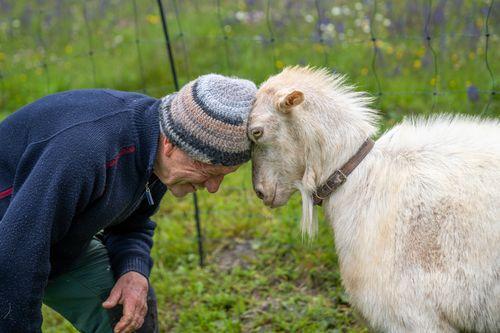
(303, 124)
(275, 149)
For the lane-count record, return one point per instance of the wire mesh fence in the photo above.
(415, 57)
(440, 49)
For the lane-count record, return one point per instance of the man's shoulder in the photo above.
(87, 126)
(95, 95)
(77, 105)
(81, 118)
(95, 142)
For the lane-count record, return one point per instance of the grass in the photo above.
(260, 275)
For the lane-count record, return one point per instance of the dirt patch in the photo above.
(240, 253)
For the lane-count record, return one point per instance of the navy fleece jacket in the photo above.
(73, 164)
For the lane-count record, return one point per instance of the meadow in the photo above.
(415, 57)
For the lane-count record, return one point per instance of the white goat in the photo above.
(416, 224)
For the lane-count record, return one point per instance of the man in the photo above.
(78, 162)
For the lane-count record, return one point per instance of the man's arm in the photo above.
(42, 208)
(129, 243)
(129, 246)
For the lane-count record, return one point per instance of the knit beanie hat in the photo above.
(208, 117)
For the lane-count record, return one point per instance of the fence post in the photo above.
(176, 84)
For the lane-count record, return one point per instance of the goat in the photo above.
(416, 224)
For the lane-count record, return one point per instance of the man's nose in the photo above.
(213, 184)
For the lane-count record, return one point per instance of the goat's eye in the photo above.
(257, 132)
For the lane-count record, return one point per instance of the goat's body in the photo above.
(417, 228)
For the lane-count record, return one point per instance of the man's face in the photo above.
(183, 175)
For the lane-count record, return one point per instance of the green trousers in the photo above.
(79, 293)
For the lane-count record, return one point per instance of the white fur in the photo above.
(417, 224)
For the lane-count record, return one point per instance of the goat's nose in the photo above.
(259, 191)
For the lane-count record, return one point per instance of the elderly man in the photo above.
(81, 172)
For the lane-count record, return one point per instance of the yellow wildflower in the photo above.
(417, 64)
(399, 54)
(153, 19)
(68, 49)
(318, 47)
(479, 22)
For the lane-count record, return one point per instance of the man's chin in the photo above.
(182, 193)
(179, 194)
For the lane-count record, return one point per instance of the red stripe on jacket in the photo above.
(123, 151)
(6, 193)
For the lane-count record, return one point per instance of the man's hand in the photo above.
(131, 290)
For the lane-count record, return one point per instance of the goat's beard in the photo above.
(309, 220)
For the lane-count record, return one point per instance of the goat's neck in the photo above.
(332, 154)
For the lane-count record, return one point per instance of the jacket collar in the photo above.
(146, 128)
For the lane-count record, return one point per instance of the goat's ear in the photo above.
(288, 101)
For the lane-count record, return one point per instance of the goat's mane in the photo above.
(331, 87)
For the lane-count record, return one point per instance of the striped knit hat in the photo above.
(207, 119)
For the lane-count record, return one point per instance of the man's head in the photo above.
(204, 133)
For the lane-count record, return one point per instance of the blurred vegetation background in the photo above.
(416, 57)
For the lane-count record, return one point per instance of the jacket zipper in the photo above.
(148, 194)
(137, 202)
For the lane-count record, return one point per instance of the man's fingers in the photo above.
(124, 324)
(140, 322)
(113, 299)
(129, 318)
(133, 298)
(138, 318)
(139, 315)
(129, 324)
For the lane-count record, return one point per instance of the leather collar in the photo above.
(340, 176)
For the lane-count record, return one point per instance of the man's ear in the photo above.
(168, 147)
(288, 100)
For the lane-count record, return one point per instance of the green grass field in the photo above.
(260, 275)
